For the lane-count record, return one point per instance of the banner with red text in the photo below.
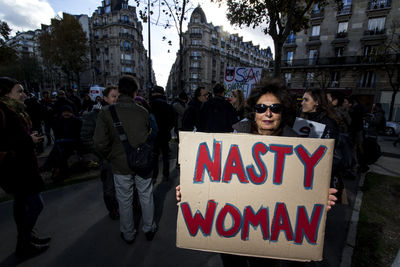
(254, 195)
(241, 78)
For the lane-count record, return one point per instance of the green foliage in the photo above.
(65, 45)
(277, 18)
(4, 32)
(7, 54)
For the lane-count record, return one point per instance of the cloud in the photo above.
(23, 15)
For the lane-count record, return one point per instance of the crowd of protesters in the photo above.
(74, 125)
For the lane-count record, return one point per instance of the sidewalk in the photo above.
(388, 164)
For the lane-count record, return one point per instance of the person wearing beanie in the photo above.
(19, 168)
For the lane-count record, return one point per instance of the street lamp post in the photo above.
(149, 84)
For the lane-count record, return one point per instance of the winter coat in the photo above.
(18, 162)
(164, 115)
(135, 121)
(179, 109)
(87, 130)
(191, 117)
(245, 126)
(217, 115)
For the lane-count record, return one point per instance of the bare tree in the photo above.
(389, 56)
(169, 13)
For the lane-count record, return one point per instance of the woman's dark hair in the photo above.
(277, 88)
(6, 85)
(339, 96)
(197, 92)
(319, 96)
(108, 89)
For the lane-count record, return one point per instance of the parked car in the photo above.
(392, 127)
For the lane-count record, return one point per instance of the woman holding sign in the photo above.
(269, 113)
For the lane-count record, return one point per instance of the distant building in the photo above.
(25, 43)
(337, 51)
(207, 51)
(117, 44)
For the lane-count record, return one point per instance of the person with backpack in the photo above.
(135, 121)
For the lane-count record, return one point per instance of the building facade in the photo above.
(117, 44)
(207, 51)
(339, 51)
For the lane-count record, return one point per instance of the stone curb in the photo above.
(347, 253)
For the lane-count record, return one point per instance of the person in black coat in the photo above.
(19, 167)
(164, 114)
(191, 117)
(67, 140)
(217, 115)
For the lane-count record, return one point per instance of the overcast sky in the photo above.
(23, 15)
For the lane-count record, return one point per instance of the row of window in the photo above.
(367, 79)
(199, 31)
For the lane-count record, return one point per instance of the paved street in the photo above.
(84, 235)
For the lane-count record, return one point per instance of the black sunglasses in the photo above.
(275, 108)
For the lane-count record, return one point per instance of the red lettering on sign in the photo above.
(309, 162)
(260, 218)
(280, 153)
(281, 222)
(234, 165)
(236, 221)
(258, 150)
(197, 221)
(204, 162)
(306, 228)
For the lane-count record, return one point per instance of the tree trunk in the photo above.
(392, 103)
(278, 44)
(180, 89)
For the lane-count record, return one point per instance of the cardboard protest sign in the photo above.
(254, 195)
(307, 128)
(241, 78)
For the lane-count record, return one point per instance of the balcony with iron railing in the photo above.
(379, 4)
(339, 61)
(344, 10)
(196, 35)
(341, 35)
(126, 35)
(375, 31)
(315, 14)
(314, 38)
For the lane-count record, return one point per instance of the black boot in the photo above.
(35, 239)
(27, 250)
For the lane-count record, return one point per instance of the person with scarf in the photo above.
(19, 168)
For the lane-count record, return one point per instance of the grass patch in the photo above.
(378, 230)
